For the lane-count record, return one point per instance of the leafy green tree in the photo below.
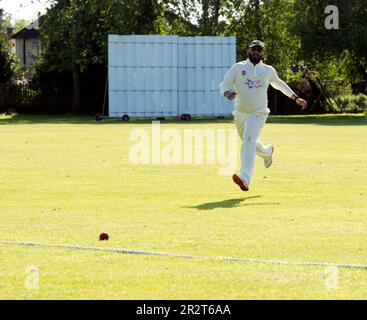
(6, 59)
(356, 39)
(5, 21)
(19, 24)
(342, 50)
(74, 33)
(203, 17)
(267, 21)
(282, 45)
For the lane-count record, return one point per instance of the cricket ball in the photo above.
(103, 237)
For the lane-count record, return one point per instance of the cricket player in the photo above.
(250, 80)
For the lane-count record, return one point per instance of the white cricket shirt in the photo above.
(251, 85)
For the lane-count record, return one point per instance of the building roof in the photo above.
(26, 34)
(29, 32)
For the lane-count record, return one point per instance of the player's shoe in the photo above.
(269, 160)
(242, 184)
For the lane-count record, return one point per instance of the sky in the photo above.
(24, 9)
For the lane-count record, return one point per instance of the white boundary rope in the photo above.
(186, 256)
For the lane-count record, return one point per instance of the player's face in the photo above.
(256, 52)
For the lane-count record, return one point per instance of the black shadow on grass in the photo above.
(230, 203)
(321, 120)
(89, 120)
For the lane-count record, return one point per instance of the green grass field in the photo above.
(65, 180)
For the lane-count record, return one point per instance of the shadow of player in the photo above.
(230, 203)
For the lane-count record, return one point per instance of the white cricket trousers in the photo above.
(249, 126)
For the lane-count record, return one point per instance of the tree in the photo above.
(19, 24)
(255, 8)
(282, 44)
(206, 17)
(6, 59)
(267, 21)
(342, 50)
(74, 33)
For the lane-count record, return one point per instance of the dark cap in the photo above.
(257, 43)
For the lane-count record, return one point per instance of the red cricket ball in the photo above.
(103, 237)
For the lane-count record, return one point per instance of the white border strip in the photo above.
(186, 256)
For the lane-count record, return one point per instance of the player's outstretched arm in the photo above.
(280, 85)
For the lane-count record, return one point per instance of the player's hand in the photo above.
(230, 95)
(302, 103)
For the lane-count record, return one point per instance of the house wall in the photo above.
(32, 50)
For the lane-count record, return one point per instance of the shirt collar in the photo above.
(259, 64)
